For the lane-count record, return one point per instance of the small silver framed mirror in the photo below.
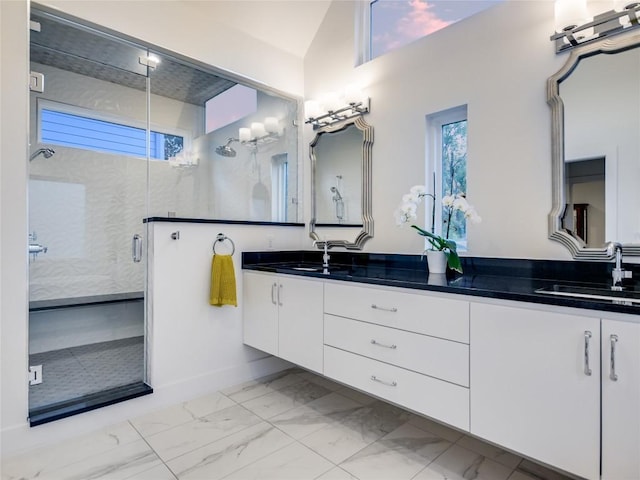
(341, 185)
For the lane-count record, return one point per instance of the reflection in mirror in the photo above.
(341, 184)
(595, 102)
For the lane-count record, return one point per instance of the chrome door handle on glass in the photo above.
(612, 371)
(136, 248)
(587, 338)
(388, 384)
(375, 307)
(392, 346)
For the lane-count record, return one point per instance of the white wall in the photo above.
(497, 63)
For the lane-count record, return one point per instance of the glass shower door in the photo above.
(88, 173)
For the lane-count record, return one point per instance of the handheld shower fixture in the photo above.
(337, 198)
(46, 152)
(226, 150)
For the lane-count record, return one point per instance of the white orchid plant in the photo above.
(406, 213)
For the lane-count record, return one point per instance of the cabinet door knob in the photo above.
(612, 371)
(587, 338)
(273, 293)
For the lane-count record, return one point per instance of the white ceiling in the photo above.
(289, 25)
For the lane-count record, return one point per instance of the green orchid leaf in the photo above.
(453, 261)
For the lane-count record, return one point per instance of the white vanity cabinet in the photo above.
(620, 400)
(410, 349)
(283, 316)
(535, 384)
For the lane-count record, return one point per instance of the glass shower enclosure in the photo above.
(88, 182)
(121, 132)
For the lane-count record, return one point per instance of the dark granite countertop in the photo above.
(505, 279)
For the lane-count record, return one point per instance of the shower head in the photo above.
(46, 152)
(337, 193)
(226, 150)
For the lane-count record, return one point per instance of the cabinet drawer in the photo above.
(435, 316)
(437, 399)
(432, 356)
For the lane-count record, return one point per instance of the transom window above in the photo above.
(394, 23)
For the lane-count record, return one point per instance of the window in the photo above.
(80, 128)
(388, 24)
(447, 164)
(229, 106)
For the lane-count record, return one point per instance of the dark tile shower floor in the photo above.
(74, 372)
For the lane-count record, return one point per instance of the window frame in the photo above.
(69, 109)
(434, 160)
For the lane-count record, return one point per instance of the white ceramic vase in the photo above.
(437, 261)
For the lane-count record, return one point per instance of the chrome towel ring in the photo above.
(221, 238)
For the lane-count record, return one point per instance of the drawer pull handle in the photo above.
(613, 375)
(388, 384)
(392, 346)
(392, 310)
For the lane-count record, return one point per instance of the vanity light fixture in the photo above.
(574, 27)
(260, 132)
(334, 107)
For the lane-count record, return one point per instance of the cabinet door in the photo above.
(529, 389)
(300, 337)
(260, 314)
(620, 400)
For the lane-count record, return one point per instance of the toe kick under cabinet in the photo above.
(410, 349)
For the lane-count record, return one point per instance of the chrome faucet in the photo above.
(618, 273)
(325, 257)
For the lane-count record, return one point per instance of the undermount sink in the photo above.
(593, 293)
(312, 267)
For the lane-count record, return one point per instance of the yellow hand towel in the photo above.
(223, 281)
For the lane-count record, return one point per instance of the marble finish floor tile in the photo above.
(40, 462)
(219, 459)
(399, 455)
(161, 472)
(494, 453)
(306, 419)
(337, 474)
(256, 388)
(292, 425)
(291, 396)
(339, 441)
(540, 472)
(325, 382)
(516, 475)
(436, 428)
(167, 418)
(184, 438)
(294, 462)
(458, 463)
(120, 463)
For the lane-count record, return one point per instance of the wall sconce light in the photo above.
(260, 132)
(334, 107)
(574, 26)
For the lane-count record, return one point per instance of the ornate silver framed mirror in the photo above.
(341, 185)
(595, 107)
